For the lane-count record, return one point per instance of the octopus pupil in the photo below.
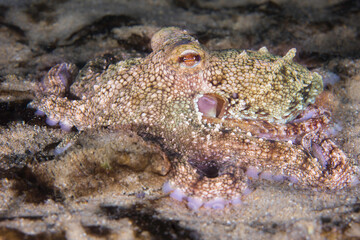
(190, 59)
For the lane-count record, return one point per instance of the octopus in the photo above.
(224, 118)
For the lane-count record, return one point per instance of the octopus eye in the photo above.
(189, 59)
(211, 105)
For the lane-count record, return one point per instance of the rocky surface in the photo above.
(108, 184)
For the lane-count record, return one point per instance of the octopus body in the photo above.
(225, 118)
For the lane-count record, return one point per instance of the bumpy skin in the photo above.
(224, 117)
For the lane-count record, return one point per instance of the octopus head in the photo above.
(236, 84)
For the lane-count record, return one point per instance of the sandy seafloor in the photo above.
(108, 184)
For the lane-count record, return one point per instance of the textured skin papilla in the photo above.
(229, 116)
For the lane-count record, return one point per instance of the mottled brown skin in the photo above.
(259, 120)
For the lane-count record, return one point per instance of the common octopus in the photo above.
(225, 118)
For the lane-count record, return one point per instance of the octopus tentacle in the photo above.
(187, 183)
(312, 120)
(58, 80)
(75, 114)
(227, 175)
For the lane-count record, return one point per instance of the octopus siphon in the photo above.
(224, 118)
